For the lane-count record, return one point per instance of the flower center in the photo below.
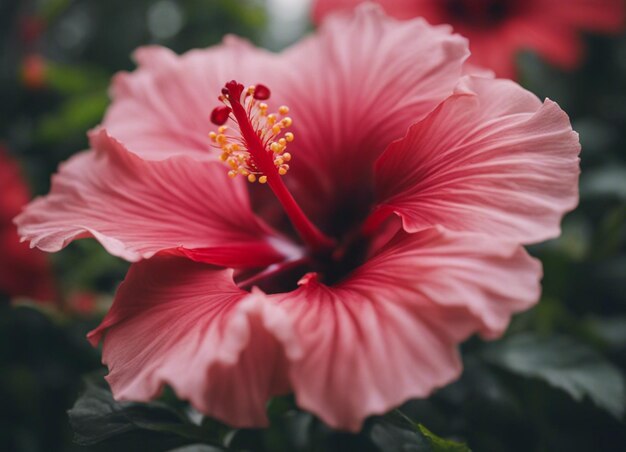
(483, 13)
(255, 147)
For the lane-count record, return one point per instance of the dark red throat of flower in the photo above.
(479, 12)
(255, 147)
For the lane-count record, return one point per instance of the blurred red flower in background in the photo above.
(23, 272)
(33, 71)
(499, 29)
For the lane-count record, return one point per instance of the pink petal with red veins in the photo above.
(183, 324)
(389, 333)
(355, 86)
(136, 208)
(491, 159)
(164, 107)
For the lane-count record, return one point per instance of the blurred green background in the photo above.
(555, 383)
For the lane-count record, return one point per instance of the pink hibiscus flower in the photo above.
(341, 255)
(23, 272)
(499, 29)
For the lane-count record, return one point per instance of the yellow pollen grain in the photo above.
(212, 136)
(279, 161)
(286, 156)
(282, 142)
(283, 110)
(282, 171)
(287, 122)
(289, 137)
(222, 129)
(221, 139)
(276, 129)
(224, 157)
(275, 147)
(263, 179)
(251, 178)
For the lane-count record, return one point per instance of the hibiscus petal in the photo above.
(184, 324)
(361, 81)
(163, 108)
(490, 159)
(389, 333)
(359, 84)
(136, 208)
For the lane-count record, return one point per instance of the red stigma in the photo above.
(261, 92)
(220, 115)
(234, 89)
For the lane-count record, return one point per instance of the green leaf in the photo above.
(76, 114)
(565, 364)
(96, 417)
(396, 432)
(438, 444)
(611, 330)
(196, 448)
(75, 80)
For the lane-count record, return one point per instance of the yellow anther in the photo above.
(263, 106)
(224, 157)
(235, 147)
(212, 136)
(263, 179)
(289, 137)
(282, 142)
(276, 129)
(286, 156)
(287, 122)
(283, 110)
(222, 129)
(251, 178)
(232, 174)
(271, 119)
(283, 170)
(233, 163)
(243, 171)
(275, 147)
(221, 139)
(251, 89)
(279, 161)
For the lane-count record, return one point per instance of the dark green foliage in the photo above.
(563, 363)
